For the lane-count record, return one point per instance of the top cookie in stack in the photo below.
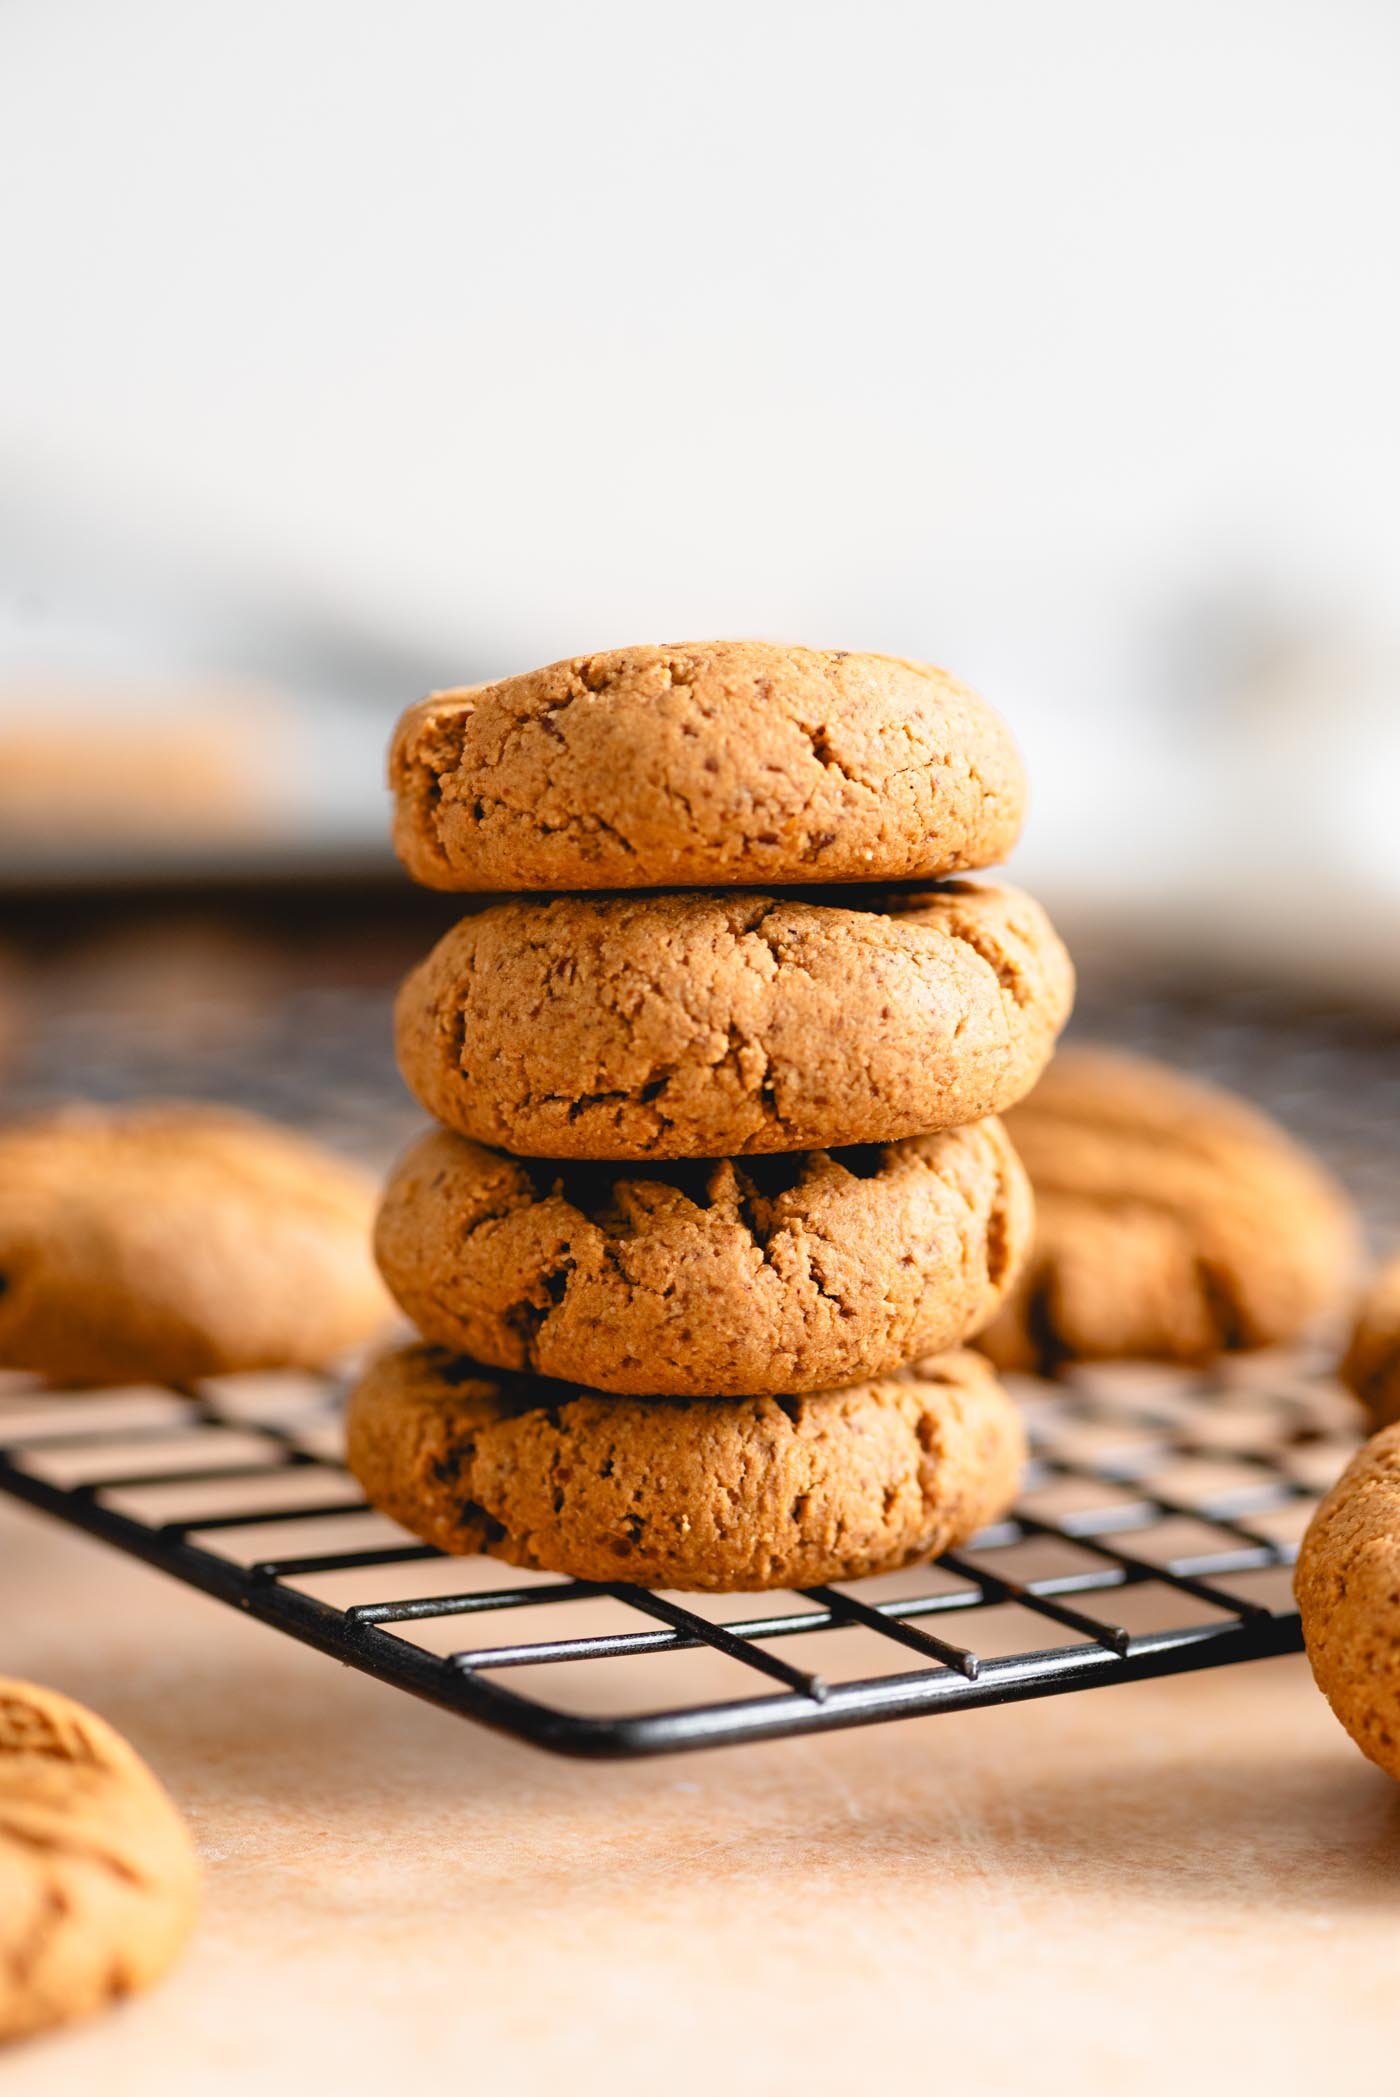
(728, 764)
(756, 1002)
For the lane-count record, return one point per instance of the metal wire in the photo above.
(1122, 1560)
(1097, 1528)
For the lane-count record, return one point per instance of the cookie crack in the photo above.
(1373, 1386)
(70, 1848)
(1049, 1345)
(820, 744)
(1011, 977)
(1224, 1308)
(997, 1241)
(527, 1315)
(22, 1960)
(587, 1102)
(749, 1212)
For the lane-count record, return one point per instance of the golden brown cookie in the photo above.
(716, 763)
(710, 1024)
(1172, 1221)
(1348, 1587)
(1372, 1364)
(723, 1494)
(790, 1273)
(98, 1878)
(163, 1242)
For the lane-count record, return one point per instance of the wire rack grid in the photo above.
(1159, 1517)
(1154, 1533)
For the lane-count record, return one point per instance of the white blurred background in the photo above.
(350, 349)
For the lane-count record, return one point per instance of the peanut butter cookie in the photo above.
(789, 1273)
(98, 1877)
(1372, 1365)
(1172, 1221)
(726, 1495)
(1348, 1588)
(709, 1024)
(700, 766)
(164, 1242)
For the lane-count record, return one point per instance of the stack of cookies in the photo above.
(717, 1192)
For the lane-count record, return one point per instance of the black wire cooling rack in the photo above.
(1157, 1523)
(1154, 1534)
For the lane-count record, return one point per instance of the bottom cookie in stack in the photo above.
(725, 1495)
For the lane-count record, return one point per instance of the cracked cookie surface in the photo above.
(1372, 1364)
(729, 1495)
(708, 1024)
(703, 765)
(1173, 1221)
(98, 1876)
(165, 1241)
(1347, 1584)
(713, 1278)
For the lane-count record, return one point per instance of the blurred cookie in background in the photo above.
(1371, 1367)
(169, 1241)
(1173, 1222)
(91, 765)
